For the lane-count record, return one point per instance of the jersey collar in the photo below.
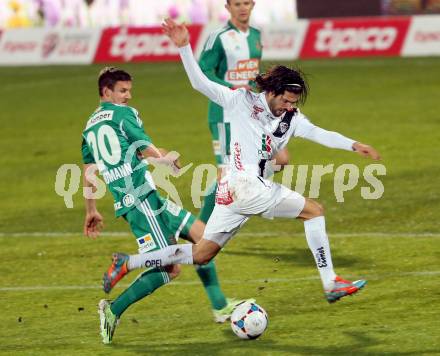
(236, 28)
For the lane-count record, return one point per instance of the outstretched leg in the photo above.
(222, 307)
(295, 205)
(201, 253)
(314, 226)
(146, 283)
(207, 273)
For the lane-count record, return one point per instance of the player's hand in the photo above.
(172, 157)
(93, 224)
(178, 34)
(366, 151)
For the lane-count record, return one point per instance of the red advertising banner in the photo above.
(139, 44)
(355, 37)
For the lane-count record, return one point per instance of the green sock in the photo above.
(208, 275)
(208, 204)
(146, 283)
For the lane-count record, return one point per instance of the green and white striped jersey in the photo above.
(112, 137)
(231, 57)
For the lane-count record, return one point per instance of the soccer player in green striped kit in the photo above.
(114, 142)
(231, 57)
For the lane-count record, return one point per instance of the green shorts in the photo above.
(221, 139)
(158, 222)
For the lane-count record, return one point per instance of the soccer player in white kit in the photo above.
(262, 124)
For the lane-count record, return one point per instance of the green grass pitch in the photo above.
(51, 274)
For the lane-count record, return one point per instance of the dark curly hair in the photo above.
(279, 79)
(109, 76)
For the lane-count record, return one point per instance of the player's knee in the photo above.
(312, 210)
(173, 271)
(197, 230)
(204, 252)
(201, 259)
(318, 209)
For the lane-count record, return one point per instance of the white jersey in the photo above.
(256, 134)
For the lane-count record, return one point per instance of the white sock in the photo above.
(319, 245)
(169, 255)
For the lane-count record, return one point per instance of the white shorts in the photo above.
(241, 196)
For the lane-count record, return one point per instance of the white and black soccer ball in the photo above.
(249, 320)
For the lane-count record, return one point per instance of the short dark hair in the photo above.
(108, 77)
(229, 2)
(279, 79)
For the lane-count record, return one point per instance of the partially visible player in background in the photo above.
(231, 57)
(114, 142)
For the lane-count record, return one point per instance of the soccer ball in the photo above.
(249, 320)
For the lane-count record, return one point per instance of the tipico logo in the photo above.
(370, 38)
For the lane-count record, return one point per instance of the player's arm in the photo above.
(219, 94)
(93, 221)
(132, 127)
(309, 131)
(162, 156)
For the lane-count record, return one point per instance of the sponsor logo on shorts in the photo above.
(223, 196)
(146, 243)
(321, 260)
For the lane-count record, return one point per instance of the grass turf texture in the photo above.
(390, 103)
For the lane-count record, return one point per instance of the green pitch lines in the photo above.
(396, 312)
